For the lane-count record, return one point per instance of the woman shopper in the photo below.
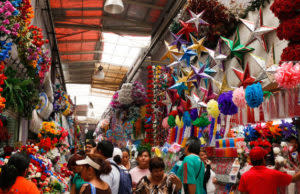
(92, 168)
(76, 181)
(158, 182)
(142, 169)
(125, 158)
(209, 175)
(12, 177)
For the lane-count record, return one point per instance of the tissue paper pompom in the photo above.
(238, 97)
(291, 53)
(171, 121)
(125, 94)
(165, 124)
(138, 93)
(115, 102)
(187, 118)
(213, 108)
(174, 113)
(202, 121)
(194, 114)
(178, 122)
(288, 76)
(254, 95)
(226, 106)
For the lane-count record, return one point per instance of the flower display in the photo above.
(285, 9)
(289, 29)
(288, 75)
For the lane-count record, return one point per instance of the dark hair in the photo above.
(203, 150)
(117, 159)
(295, 139)
(257, 162)
(106, 148)
(156, 163)
(16, 166)
(140, 153)
(91, 142)
(194, 145)
(105, 165)
(73, 159)
(125, 150)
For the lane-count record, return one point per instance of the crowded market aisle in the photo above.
(203, 96)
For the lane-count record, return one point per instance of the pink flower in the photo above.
(2, 28)
(1, 10)
(6, 21)
(7, 14)
(16, 26)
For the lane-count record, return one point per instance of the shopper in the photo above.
(92, 168)
(261, 180)
(105, 149)
(178, 163)
(125, 158)
(76, 181)
(117, 157)
(12, 177)
(89, 145)
(142, 169)
(191, 172)
(158, 182)
(209, 175)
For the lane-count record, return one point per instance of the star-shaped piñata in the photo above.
(223, 87)
(186, 29)
(208, 93)
(217, 55)
(258, 30)
(195, 101)
(237, 49)
(196, 19)
(268, 67)
(198, 45)
(245, 77)
(199, 74)
(171, 52)
(187, 55)
(209, 71)
(179, 85)
(178, 41)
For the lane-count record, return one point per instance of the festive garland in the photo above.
(149, 111)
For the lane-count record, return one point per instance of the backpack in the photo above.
(125, 186)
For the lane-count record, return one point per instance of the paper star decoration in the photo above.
(223, 87)
(268, 67)
(209, 71)
(245, 77)
(195, 101)
(199, 74)
(178, 41)
(258, 30)
(179, 85)
(208, 93)
(237, 49)
(167, 102)
(186, 29)
(177, 63)
(198, 45)
(171, 52)
(187, 55)
(196, 19)
(217, 55)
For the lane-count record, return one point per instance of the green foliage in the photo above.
(21, 94)
(144, 146)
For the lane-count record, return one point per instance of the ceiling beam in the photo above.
(131, 21)
(143, 4)
(80, 52)
(96, 40)
(80, 62)
(119, 30)
(107, 88)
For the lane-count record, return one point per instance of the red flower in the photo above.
(289, 29)
(284, 9)
(43, 177)
(291, 53)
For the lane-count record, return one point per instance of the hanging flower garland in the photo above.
(149, 111)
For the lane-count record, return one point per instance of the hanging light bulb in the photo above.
(114, 6)
(99, 73)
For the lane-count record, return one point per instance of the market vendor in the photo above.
(12, 177)
(261, 180)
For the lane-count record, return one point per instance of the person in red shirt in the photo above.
(261, 180)
(12, 176)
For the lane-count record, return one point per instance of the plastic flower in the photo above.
(274, 129)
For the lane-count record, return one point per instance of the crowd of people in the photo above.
(104, 169)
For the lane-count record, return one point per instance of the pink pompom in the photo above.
(288, 76)
(165, 124)
(238, 97)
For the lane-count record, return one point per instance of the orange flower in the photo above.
(39, 135)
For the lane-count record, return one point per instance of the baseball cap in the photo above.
(117, 151)
(88, 161)
(257, 153)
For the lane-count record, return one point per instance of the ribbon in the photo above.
(268, 94)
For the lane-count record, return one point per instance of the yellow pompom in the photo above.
(178, 122)
(202, 141)
(157, 152)
(213, 108)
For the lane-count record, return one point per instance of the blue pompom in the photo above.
(254, 95)
(187, 119)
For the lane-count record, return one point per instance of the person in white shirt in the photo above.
(105, 149)
(117, 157)
(209, 176)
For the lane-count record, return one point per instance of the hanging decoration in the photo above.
(196, 19)
(186, 29)
(288, 75)
(217, 56)
(245, 78)
(226, 105)
(238, 97)
(198, 46)
(254, 95)
(213, 108)
(170, 53)
(187, 55)
(199, 74)
(178, 41)
(223, 87)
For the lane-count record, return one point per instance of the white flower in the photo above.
(283, 144)
(276, 150)
(239, 150)
(38, 174)
(35, 147)
(279, 159)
